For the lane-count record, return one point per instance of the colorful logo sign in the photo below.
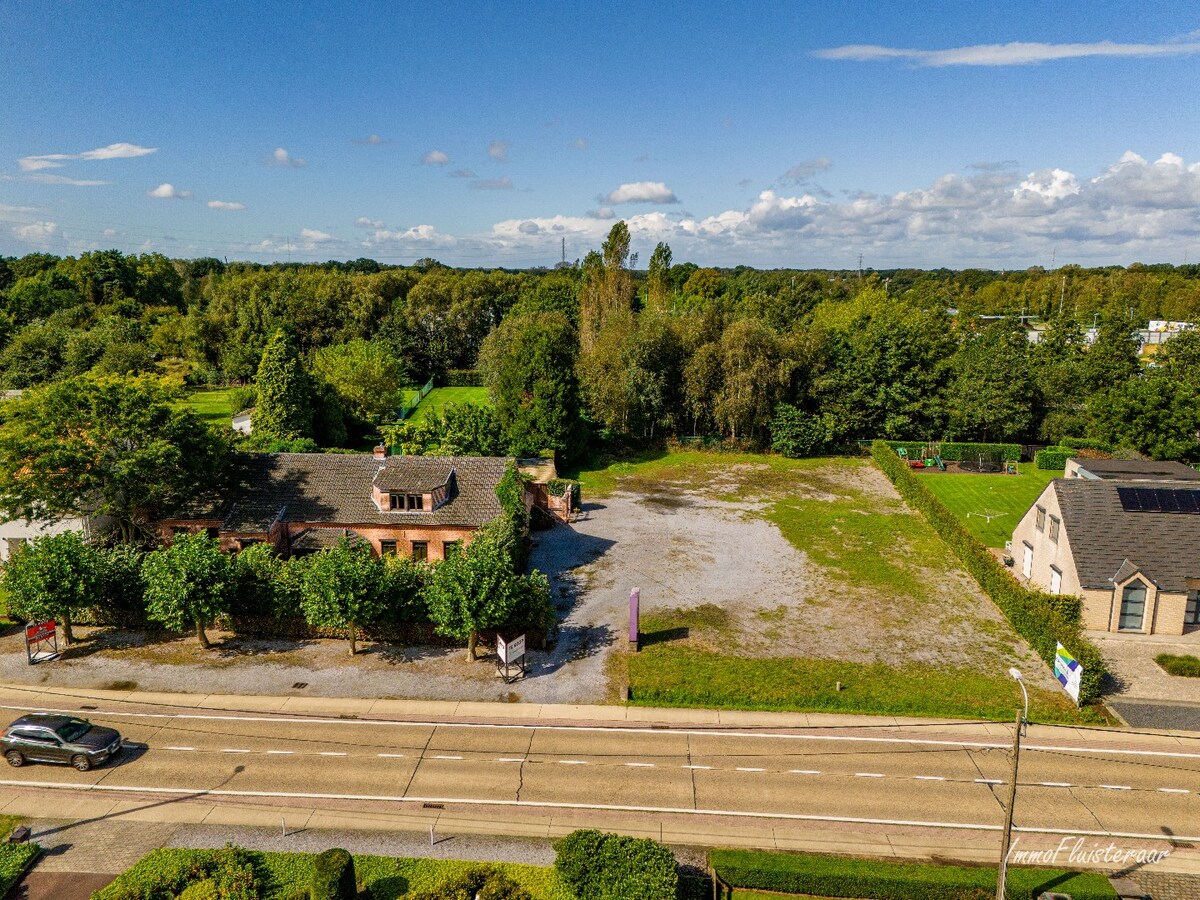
(1068, 671)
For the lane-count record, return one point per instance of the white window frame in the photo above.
(1027, 561)
(1055, 580)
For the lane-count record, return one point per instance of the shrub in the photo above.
(556, 487)
(1053, 457)
(200, 890)
(333, 876)
(483, 883)
(1086, 444)
(242, 398)
(165, 874)
(827, 876)
(14, 860)
(1042, 619)
(600, 866)
(463, 378)
(958, 452)
(797, 434)
(1186, 666)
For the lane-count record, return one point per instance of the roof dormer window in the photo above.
(402, 502)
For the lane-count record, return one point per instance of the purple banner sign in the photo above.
(635, 598)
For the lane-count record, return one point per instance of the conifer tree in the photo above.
(284, 407)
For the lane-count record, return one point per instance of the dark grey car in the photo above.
(38, 737)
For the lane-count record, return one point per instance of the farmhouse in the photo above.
(419, 506)
(1130, 547)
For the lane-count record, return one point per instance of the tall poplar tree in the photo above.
(284, 407)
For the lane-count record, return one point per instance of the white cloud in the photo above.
(581, 143)
(802, 172)
(231, 205)
(498, 150)
(435, 158)
(48, 178)
(1017, 53)
(5, 209)
(494, 184)
(372, 140)
(641, 192)
(168, 191)
(311, 235)
(36, 232)
(364, 222)
(57, 160)
(282, 158)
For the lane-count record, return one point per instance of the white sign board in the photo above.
(1068, 671)
(510, 651)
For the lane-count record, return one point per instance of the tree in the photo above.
(755, 377)
(53, 577)
(365, 374)
(105, 446)
(1113, 357)
(1153, 414)
(189, 583)
(341, 588)
(284, 394)
(477, 589)
(607, 285)
(992, 394)
(528, 364)
(797, 434)
(659, 289)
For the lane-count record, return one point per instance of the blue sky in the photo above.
(791, 134)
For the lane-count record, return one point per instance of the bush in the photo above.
(600, 866)
(827, 876)
(1042, 619)
(333, 876)
(958, 452)
(165, 874)
(483, 883)
(242, 398)
(463, 378)
(797, 434)
(556, 487)
(1053, 457)
(1086, 444)
(200, 890)
(14, 860)
(1186, 666)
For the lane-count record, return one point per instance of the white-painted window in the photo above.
(1027, 562)
(1039, 521)
(1055, 581)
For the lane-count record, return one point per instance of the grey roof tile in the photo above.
(1138, 469)
(1105, 536)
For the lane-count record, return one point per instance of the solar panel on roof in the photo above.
(1169, 500)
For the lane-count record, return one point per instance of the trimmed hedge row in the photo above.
(600, 866)
(959, 452)
(1086, 444)
(1053, 457)
(827, 876)
(14, 860)
(333, 876)
(1042, 619)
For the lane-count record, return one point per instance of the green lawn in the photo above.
(1003, 497)
(211, 406)
(435, 401)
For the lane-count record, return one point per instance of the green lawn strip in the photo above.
(1186, 666)
(14, 860)
(211, 406)
(285, 874)
(973, 497)
(435, 401)
(689, 467)
(830, 876)
(677, 676)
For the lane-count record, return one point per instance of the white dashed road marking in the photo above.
(447, 757)
(929, 778)
(1174, 791)
(1116, 787)
(573, 762)
(803, 772)
(640, 765)
(179, 748)
(749, 769)
(233, 750)
(869, 775)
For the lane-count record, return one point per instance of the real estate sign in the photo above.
(1068, 671)
(510, 651)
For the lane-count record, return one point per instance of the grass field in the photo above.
(876, 601)
(211, 406)
(974, 497)
(435, 401)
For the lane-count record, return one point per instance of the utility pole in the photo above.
(564, 251)
(1006, 842)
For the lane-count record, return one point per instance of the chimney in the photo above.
(381, 451)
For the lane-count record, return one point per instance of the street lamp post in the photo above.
(1006, 842)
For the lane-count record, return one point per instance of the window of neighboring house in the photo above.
(213, 532)
(1027, 562)
(1040, 522)
(180, 529)
(451, 548)
(1054, 523)
(416, 501)
(1055, 580)
(1191, 614)
(387, 548)
(1133, 606)
(406, 501)
(420, 550)
(395, 501)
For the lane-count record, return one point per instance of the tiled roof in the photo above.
(1105, 536)
(414, 474)
(1138, 470)
(321, 538)
(335, 488)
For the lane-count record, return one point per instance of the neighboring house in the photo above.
(1129, 547)
(420, 506)
(15, 534)
(241, 422)
(1130, 470)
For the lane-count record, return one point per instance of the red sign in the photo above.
(39, 631)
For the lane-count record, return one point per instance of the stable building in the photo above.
(1129, 547)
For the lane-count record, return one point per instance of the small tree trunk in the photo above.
(353, 639)
(68, 635)
(201, 636)
(472, 643)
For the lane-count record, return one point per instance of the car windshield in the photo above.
(73, 730)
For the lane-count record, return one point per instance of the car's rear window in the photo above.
(73, 730)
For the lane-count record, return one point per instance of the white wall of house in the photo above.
(13, 534)
(1051, 562)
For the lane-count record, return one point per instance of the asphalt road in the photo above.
(948, 776)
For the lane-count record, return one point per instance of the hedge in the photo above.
(333, 876)
(1042, 619)
(14, 860)
(462, 378)
(1086, 444)
(599, 866)
(828, 876)
(958, 452)
(1184, 666)
(1053, 457)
